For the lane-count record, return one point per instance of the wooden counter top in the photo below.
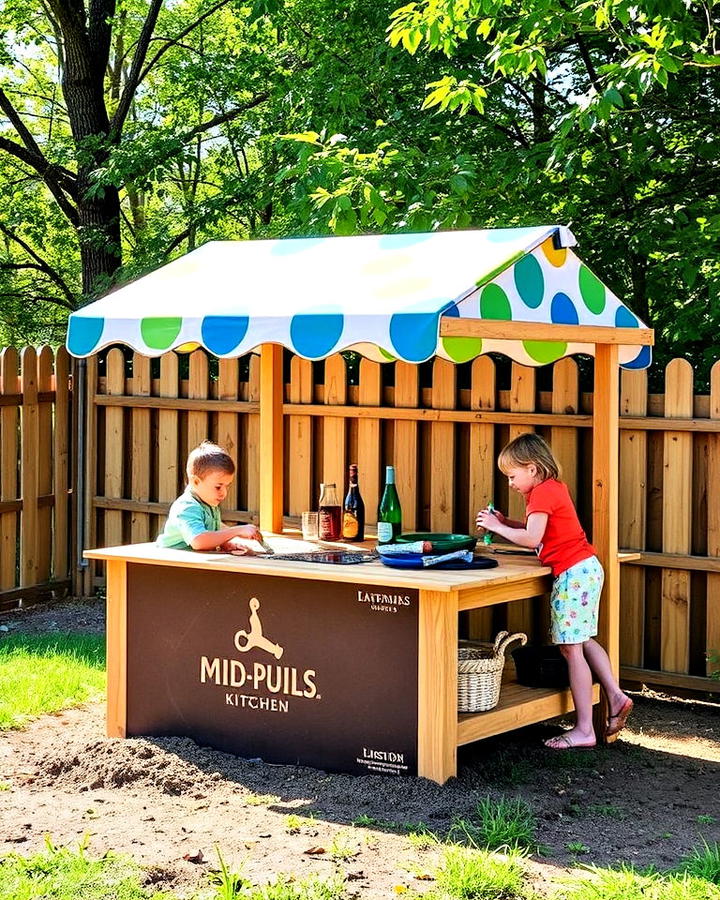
(511, 568)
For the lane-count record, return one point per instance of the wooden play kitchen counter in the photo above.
(350, 668)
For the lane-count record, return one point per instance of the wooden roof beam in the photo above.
(541, 331)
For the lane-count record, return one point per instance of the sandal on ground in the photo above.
(617, 722)
(563, 742)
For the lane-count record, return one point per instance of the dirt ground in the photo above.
(649, 799)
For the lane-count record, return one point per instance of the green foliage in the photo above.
(300, 117)
(65, 874)
(468, 874)
(703, 862)
(46, 673)
(502, 824)
(627, 883)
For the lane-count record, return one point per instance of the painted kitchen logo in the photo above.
(384, 603)
(267, 684)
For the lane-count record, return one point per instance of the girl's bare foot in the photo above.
(571, 740)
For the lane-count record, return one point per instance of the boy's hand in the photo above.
(249, 532)
(489, 520)
(235, 545)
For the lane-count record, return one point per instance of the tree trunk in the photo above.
(86, 53)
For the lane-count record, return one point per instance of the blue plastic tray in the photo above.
(415, 561)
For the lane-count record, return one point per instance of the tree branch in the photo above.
(43, 266)
(141, 49)
(171, 42)
(49, 172)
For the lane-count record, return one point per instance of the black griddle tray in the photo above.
(331, 557)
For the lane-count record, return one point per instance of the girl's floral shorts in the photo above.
(574, 602)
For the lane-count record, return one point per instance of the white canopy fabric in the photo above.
(380, 295)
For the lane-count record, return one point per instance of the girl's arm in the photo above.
(529, 535)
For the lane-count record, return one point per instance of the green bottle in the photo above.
(389, 519)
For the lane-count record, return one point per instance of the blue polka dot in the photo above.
(316, 336)
(562, 310)
(452, 312)
(222, 334)
(625, 319)
(398, 241)
(415, 335)
(641, 361)
(288, 246)
(84, 334)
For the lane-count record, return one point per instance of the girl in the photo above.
(553, 530)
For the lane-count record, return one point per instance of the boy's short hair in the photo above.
(209, 457)
(529, 449)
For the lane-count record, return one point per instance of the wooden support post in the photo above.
(437, 685)
(605, 504)
(271, 437)
(116, 722)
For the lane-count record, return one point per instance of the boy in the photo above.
(194, 522)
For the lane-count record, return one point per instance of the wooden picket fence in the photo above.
(442, 426)
(35, 472)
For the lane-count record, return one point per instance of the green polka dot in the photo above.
(529, 281)
(159, 333)
(592, 290)
(461, 349)
(545, 351)
(494, 303)
(388, 356)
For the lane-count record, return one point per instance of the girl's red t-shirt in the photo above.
(564, 543)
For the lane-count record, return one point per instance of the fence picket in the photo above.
(442, 449)
(713, 538)
(43, 460)
(9, 418)
(251, 473)
(677, 519)
(405, 443)
(368, 453)
(522, 399)
(114, 448)
(631, 519)
(300, 439)
(335, 435)
(168, 437)
(29, 437)
(141, 450)
(61, 466)
(227, 422)
(482, 454)
(197, 421)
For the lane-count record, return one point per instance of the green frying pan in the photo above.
(441, 541)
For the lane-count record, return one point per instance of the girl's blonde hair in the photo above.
(529, 450)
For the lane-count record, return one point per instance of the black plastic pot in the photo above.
(542, 666)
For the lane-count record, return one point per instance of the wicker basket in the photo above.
(480, 673)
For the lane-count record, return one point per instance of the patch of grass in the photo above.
(261, 799)
(703, 862)
(232, 887)
(497, 825)
(705, 819)
(46, 673)
(342, 849)
(294, 824)
(577, 848)
(64, 874)
(468, 874)
(606, 810)
(627, 883)
(422, 840)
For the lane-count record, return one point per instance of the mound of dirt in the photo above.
(168, 802)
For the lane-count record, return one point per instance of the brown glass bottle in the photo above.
(353, 527)
(330, 518)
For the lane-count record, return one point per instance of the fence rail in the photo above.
(35, 472)
(144, 416)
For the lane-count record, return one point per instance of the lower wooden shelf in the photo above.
(518, 706)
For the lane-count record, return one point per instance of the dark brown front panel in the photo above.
(280, 669)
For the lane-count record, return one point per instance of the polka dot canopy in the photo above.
(384, 296)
